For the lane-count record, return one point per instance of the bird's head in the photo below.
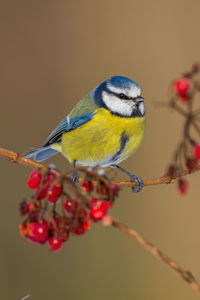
(121, 96)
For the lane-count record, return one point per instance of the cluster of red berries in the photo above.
(187, 154)
(52, 214)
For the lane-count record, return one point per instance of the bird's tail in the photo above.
(41, 153)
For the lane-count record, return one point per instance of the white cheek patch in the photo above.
(141, 108)
(132, 91)
(114, 104)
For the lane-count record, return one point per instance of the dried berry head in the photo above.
(183, 186)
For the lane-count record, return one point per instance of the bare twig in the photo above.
(17, 158)
(186, 275)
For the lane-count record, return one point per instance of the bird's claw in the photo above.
(139, 184)
(75, 177)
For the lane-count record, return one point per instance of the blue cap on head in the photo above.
(122, 82)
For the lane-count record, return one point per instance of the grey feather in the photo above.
(41, 153)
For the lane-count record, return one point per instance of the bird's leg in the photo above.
(138, 180)
(75, 176)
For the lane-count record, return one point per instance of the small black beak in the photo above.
(139, 99)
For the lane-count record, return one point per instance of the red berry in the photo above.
(54, 192)
(105, 205)
(87, 186)
(49, 177)
(183, 186)
(23, 230)
(42, 193)
(37, 231)
(43, 221)
(71, 205)
(86, 225)
(98, 210)
(197, 152)
(94, 200)
(40, 232)
(182, 86)
(55, 243)
(34, 179)
(96, 214)
(30, 227)
(30, 234)
(78, 228)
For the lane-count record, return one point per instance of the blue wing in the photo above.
(82, 113)
(65, 126)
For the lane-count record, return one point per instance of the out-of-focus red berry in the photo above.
(98, 210)
(37, 231)
(105, 205)
(55, 243)
(23, 230)
(30, 227)
(86, 225)
(40, 232)
(54, 192)
(182, 86)
(34, 179)
(96, 214)
(42, 193)
(197, 152)
(30, 234)
(183, 186)
(43, 221)
(81, 228)
(49, 177)
(71, 205)
(94, 200)
(87, 186)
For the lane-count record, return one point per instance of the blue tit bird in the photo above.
(103, 129)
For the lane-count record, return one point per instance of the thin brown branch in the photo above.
(186, 275)
(18, 158)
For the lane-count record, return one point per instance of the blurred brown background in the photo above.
(52, 53)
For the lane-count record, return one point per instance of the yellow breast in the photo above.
(106, 139)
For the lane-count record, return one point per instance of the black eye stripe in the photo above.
(122, 96)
